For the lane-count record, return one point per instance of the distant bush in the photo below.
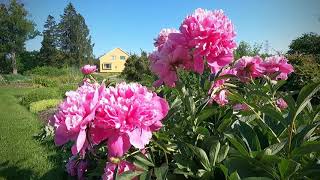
(307, 71)
(137, 68)
(43, 105)
(15, 78)
(45, 81)
(40, 94)
(47, 71)
(68, 87)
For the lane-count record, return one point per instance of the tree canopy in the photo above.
(15, 30)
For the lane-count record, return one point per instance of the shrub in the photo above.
(47, 71)
(68, 87)
(43, 105)
(40, 94)
(45, 81)
(15, 78)
(137, 67)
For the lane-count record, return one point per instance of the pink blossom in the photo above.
(219, 93)
(282, 104)
(88, 69)
(127, 115)
(210, 35)
(173, 55)
(123, 166)
(240, 107)
(76, 167)
(221, 97)
(249, 68)
(278, 65)
(163, 37)
(74, 115)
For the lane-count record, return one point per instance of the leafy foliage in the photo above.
(137, 68)
(306, 44)
(43, 105)
(15, 30)
(74, 38)
(39, 94)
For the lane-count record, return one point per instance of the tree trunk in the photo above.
(14, 63)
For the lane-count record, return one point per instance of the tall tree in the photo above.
(15, 30)
(49, 53)
(75, 41)
(306, 44)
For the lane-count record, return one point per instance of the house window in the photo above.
(122, 58)
(113, 57)
(107, 66)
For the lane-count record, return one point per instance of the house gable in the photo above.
(113, 61)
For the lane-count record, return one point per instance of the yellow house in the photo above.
(113, 61)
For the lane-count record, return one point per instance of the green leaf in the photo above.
(250, 136)
(271, 112)
(201, 155)
(143, 159)
(275, 148)
(287, 168)
(242, 150)
(256, 178)
(234, 176)
(214, 151)
(307, 92)
(129, 175)
(223, 153)
(205, 114)
(304, 97)
(303, 135)
(306, 148)
(161, 172)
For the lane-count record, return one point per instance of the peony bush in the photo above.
(209, 117)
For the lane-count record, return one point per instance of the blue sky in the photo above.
(132, 24)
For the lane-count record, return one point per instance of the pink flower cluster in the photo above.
(281, 103)
(276, 67)
(123, 116)
(204, 36)
(249, 68)
(88, 69)
(218, 91)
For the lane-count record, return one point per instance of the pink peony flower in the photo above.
(249, 68)
(282, 104)
(219, 93)
(173, 54)
(76, 167)
(210, 35)
(221, 97)
(123, 166)
(240, 107)
(163, 37)
(88, 69)
(74, 115)
(279, 65)
(127, 115)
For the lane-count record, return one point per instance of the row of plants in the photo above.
(210, 117)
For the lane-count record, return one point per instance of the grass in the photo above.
(21, 156)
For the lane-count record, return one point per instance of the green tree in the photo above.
(15, 30)
(137, 67)
(308, 43)
(49, 53)
(75, 41)
(245, 49)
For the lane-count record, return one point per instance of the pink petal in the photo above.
(118, 145)
(140, 137)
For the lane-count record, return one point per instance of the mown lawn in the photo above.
(21, 155)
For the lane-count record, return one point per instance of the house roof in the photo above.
(113, 50)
